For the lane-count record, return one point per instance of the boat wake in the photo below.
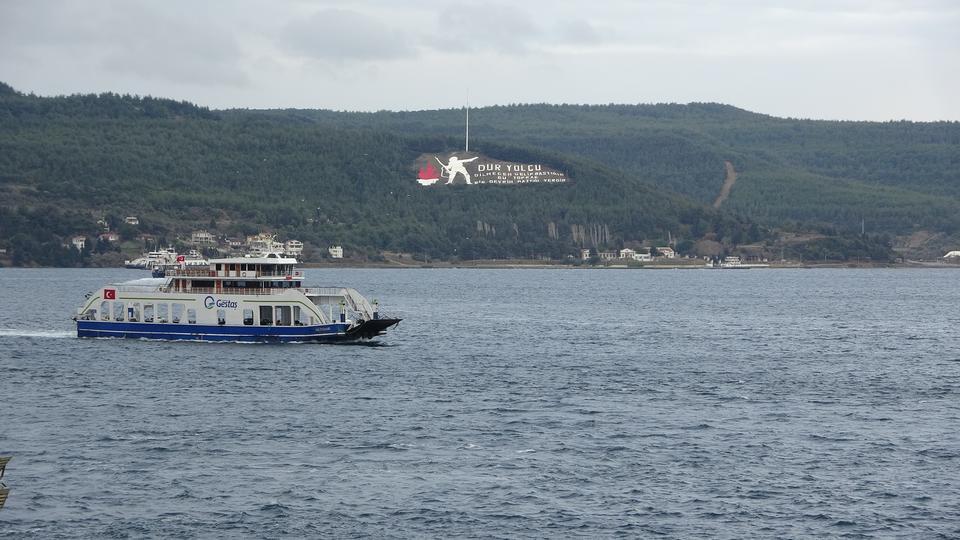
(20, 332)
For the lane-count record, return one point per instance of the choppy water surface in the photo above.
(509, 403)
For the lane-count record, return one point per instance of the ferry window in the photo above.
(192, 316)
(283, 315)
(133, 312)
(148, 313)
(297, 314)
(90, 315)
(162, 313)
(248, 317)
(104, 311)
(118, 311)
(266, 315)
(177, 313)
(221, 317)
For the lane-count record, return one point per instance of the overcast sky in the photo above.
(836, 59)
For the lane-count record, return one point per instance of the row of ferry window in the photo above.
(162, 313)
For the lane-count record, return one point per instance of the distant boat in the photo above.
(735, 263)
(150, 260)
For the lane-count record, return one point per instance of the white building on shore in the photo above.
(202, 237)
(263, 244)
(336, 252)
(293, 248)
(667, 252)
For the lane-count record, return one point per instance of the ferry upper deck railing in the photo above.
(258, 291)
(235, 274)
(234, 290)
(310, 291)
(202, 271)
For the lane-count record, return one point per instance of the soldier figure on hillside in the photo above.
(454, 167)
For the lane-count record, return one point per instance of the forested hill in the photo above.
(891, 177)
(67, 162)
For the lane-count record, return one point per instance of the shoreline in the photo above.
(540, 265)
(517, 264)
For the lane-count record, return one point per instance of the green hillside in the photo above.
(323, 178)
(896, 177)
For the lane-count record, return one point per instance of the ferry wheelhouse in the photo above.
(244, 299)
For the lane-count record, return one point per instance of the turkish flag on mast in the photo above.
(109, 294)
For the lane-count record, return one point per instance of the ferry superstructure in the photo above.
(246, 299)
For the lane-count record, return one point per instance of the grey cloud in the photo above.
(176, 50)
(338, 34)
(816, 58)
(579, 32)
(127, 38)
(479, 27)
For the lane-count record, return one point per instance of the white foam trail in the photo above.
(18, 332)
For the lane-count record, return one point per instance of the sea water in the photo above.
(508, 403)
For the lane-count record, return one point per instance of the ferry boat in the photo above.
(245, 299)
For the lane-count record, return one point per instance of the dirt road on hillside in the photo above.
(727, 184)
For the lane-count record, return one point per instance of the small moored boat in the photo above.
(237, 299)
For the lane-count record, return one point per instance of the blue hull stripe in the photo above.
(197, 332)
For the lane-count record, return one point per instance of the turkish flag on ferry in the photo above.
(109, 294)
